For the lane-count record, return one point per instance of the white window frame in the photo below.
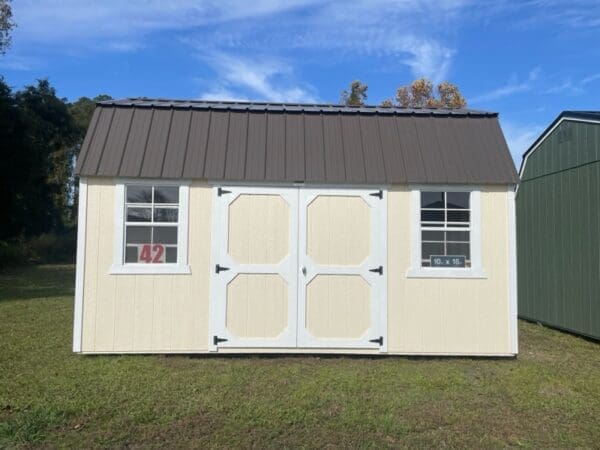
(416, 270)
(181, 266)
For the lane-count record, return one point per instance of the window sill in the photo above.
(149, 269)
(442, 272)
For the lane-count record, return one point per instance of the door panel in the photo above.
(254, 299)
(341, 296)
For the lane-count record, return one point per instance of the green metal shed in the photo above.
(558, 226)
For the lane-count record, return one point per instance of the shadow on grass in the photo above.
(34, 282)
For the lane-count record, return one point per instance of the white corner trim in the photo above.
(512, 272)
(416, 271)
(181, 267)
(80, 266)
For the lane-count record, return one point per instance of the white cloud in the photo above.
(513, 86)
(520, 137)
(412, 33)
(590, 79)
(266, 79)
(67, 19)
(565, 87)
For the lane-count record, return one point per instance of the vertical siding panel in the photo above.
(182, 325)
(199, 257)
(162, 310)
(124, 311)
(143, 313)
(90, 285)
(105, 318)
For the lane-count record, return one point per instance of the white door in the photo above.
(298, 267)
(342, 266)
(255, 261)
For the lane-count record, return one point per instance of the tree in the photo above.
(419, 94)
(6, 25)
(36, 138)
(81, 111)
(356, 96)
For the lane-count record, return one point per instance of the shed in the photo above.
(558, 220)
(227, 227)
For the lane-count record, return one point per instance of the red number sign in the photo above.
(148, 253)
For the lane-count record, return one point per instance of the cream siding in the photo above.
(144, 313)
(170, 313)
(450, 316)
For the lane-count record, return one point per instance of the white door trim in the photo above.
(287, 268)
(377, 257)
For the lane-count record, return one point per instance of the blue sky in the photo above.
(527, 59)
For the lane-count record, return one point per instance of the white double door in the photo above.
(298, 268)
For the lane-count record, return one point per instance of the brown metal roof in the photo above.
(235, 141)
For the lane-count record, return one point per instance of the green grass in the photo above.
(548, 397)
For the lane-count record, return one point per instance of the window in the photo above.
(445, 229)
(151, 226)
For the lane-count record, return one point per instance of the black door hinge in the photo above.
(379, 194)
(222, 191)
(379, 340)
(219, 268)
(378, 270)
(217, 339)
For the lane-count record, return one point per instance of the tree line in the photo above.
(40, 137)
(421, 93)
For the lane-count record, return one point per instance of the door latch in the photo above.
(304, 270)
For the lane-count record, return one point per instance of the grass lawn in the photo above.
(548, 397)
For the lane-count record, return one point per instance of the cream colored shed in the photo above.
(215, 227)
